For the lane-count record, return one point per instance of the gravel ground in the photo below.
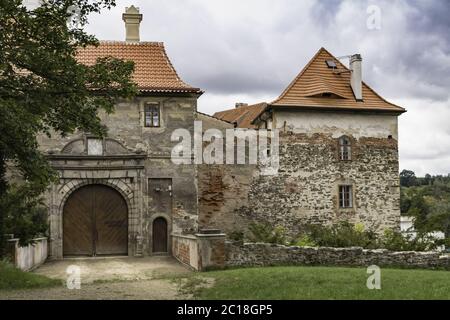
(110, 278)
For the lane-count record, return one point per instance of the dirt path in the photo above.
(110, 278)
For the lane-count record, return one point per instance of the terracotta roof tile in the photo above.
(243, 115)
(317, 78)
(153, 70)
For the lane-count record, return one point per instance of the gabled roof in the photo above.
(319, 86)
(153, 71)
(243, 115)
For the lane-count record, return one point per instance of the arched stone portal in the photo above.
(95, 222)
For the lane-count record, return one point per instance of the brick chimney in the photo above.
(132, 19)
(356, 76)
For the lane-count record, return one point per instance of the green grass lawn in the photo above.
(13, 278)
(321, 283)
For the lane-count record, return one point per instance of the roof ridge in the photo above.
(212, 116)
(137, 43)
(242, 107)
(291, 84)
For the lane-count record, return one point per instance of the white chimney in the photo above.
(132, 20)
(356, 76)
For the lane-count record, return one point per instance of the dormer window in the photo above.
(152, 115)
(345, 149)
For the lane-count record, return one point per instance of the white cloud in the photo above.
(424, 136)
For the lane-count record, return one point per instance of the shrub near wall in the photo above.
(264, 254)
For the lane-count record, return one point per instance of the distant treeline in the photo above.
(408, 179)
(427, 199)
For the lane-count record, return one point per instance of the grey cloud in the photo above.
(250, 50)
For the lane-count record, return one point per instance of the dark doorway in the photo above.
(160, 204)
(159, 235)
(95, 222)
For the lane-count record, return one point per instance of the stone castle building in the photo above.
(123, 195)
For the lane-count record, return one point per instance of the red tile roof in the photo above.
(317, 78)
(153, 70)
(243, 115)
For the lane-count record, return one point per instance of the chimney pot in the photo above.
(240, 104)
(356, 76)
(132, 19)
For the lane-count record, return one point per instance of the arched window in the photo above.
(345, 148)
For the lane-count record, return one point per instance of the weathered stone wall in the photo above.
(305, 190)
(185, 250)
(148, 155)
(263, 254)
(200, 251)
(30, 256)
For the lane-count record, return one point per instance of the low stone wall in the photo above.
(263, 254)
(28, 257)
(200, 251)
(185, 250)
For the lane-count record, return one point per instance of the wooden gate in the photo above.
(95, 222)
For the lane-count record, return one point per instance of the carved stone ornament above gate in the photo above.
(90, 148)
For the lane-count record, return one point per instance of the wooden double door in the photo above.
(95, 222)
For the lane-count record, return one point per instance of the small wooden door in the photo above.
(95, 222)
(160, 192)
(159, 235)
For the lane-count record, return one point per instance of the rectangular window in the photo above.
(345, 196)
(345, 153)
(152, 115)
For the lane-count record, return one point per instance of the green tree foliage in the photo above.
(43, 89)
(26, 215)
(408, 178)
(264, 232)
(428, 201)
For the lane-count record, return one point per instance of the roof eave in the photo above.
(348, 109)
(196, 91)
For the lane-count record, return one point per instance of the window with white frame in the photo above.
(345, 148)
(152, 115)
(345, 196)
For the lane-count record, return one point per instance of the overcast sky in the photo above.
(249, 51)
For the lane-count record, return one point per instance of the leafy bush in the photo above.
(25, 214)
(236, 235)
(343, 234)
(263, 232)
(397, 241)
(305, 241)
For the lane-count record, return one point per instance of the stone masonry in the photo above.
(263, 254)
(134, 154)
